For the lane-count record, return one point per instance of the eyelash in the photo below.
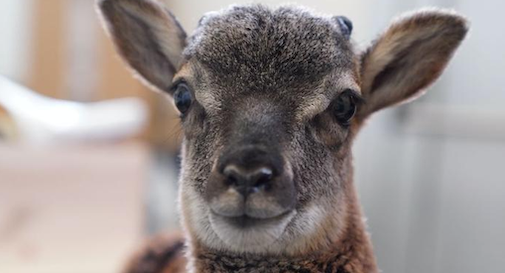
(173, 87)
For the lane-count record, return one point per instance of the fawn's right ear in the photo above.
(147, 36)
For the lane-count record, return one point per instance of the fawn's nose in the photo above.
(250, 181)
(247, 181)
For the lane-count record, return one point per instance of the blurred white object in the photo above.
(43, 119)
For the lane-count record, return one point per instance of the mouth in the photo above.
(249, 234)
(246, 222)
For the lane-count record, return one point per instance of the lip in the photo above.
(245, 222)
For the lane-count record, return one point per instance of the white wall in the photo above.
(15, 34)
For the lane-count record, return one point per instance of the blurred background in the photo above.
(80, 190)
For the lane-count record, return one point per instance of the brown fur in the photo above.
(162, 254)
(273, 77)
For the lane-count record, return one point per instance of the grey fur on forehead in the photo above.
(260, 48)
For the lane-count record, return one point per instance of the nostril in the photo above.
(262, 177)
(232, 175)
(246, 180)
(231, 180)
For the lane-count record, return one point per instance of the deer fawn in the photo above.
(270, 101)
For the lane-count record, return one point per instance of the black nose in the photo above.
(249, 169)
(247, 181)
(250, 180)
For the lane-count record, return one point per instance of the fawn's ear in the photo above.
(409, 56)
(147, 36)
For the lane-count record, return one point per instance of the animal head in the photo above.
(270, 101)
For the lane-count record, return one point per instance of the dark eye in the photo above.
(182, 98)
(345, 107)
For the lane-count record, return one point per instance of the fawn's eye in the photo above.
(182, 98)
(345, 107)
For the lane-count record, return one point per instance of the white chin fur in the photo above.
(271, 239)
(256, 239)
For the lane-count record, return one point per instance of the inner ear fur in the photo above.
(408, 57)
(147, 36)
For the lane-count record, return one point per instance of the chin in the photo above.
(250, 235)
(281, 235)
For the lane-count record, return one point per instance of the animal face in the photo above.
(270, 100)
(263, 108)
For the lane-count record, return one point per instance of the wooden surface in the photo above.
(70, 209)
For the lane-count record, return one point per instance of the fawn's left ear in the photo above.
(409, 56)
